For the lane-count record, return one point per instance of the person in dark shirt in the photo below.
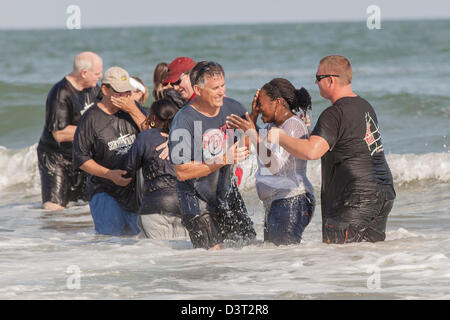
(357, 185)
(102, 141)
(66, 102)
(202, 150)
(159, 212)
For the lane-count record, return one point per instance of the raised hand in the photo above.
(124, 103)
(255, 111)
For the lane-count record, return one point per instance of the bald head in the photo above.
(86, 60)
(87, 70)
(339, 65)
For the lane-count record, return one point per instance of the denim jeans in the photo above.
(286, 219)
(109, 218)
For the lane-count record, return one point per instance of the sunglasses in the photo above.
(176, 83)
(323, 76)
(116, 92)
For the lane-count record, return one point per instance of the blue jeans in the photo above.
(109, 218)
(287, 219)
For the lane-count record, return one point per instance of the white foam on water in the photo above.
(38, 247)
(19, 169)
(404, 167)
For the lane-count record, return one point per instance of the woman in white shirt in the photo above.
(281, 180)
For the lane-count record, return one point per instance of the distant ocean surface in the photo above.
(403, 70)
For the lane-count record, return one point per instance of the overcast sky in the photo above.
(20, 14)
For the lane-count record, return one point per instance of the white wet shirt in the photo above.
(287, 175)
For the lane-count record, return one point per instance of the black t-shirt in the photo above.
(355, 163)
(196, 137)
(106, 139)
(160, 179)
(65, 105)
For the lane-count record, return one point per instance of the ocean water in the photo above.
(402, 70)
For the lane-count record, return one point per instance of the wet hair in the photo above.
(296, 99)
(159, 75)
(203, 68)
(339, 65)
(174, 96)
(164, 110)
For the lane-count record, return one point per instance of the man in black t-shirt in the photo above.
(357, 186)
(66, 102)
(203, 154)
(103, 138)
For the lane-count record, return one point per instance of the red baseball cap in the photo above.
(177, 67)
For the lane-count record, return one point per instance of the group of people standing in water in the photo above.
(173, 170)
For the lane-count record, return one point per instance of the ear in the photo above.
(103, 88)
(197, 90)
(334, 81)
(83, 73)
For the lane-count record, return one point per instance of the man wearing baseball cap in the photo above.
(103, 137)
(178, 76)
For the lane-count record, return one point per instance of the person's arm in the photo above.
(248, 125)
(192, 170)
(128, 105)
(136, 156)
(306, 149)
(65, 135)
(116, 176)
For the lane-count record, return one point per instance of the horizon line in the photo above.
(200, 24)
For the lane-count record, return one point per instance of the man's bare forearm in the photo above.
(65, 135)
(93, 168)
(306, 149)
(194, 170)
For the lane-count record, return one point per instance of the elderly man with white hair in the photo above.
(67, 100)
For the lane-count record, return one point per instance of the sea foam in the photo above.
(19, 168)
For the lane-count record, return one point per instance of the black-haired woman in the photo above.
(281, 180)
(159, 212)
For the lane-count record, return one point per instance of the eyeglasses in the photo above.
(323, 76)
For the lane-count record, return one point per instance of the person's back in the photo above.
(160, 191)
(159, 211)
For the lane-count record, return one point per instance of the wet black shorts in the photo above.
(362, 220)
(59, 183)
